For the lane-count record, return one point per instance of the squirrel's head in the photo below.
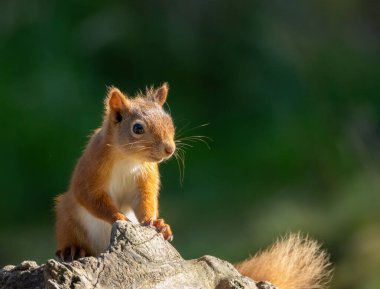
(139, 126)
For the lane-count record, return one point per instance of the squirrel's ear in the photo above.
(161, 94)
(116, 100)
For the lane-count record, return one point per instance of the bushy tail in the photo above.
(293, 262)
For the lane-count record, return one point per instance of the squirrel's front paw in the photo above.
(161, 227)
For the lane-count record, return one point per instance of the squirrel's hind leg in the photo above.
(70, 235)
(71, 253)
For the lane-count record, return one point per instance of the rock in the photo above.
(138, 257)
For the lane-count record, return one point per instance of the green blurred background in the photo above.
(290, 89)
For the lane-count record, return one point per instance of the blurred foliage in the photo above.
(290, 89)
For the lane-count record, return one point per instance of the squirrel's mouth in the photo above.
(155, 159)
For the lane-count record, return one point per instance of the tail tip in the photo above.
(293, 262)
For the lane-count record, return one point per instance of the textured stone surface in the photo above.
(138, 257)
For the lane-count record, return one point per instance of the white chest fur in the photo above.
(122, 188)
(122, 183)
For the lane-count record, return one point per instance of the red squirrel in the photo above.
(117, 178)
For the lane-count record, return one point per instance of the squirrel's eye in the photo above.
(138, 128)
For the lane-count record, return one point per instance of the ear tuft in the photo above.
(161, 94)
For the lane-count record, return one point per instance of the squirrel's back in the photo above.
(294, 262)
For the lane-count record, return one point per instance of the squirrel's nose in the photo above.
(169, 149)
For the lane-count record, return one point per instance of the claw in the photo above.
(73, 251)
(148, 223)
(159, 223)
(70, 254)
(161, 227)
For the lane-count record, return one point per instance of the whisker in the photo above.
(182, 154)
(182, 130)
(167, 104)
(180, 157)
(179, 168)
(139, 146)
(131, 144)
(143, 148)
(180, 144)
(196, 138)
(199, 126)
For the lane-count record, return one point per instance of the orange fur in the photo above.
(148, 183)
(118, 171)
(68, 232)
(293, 262)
